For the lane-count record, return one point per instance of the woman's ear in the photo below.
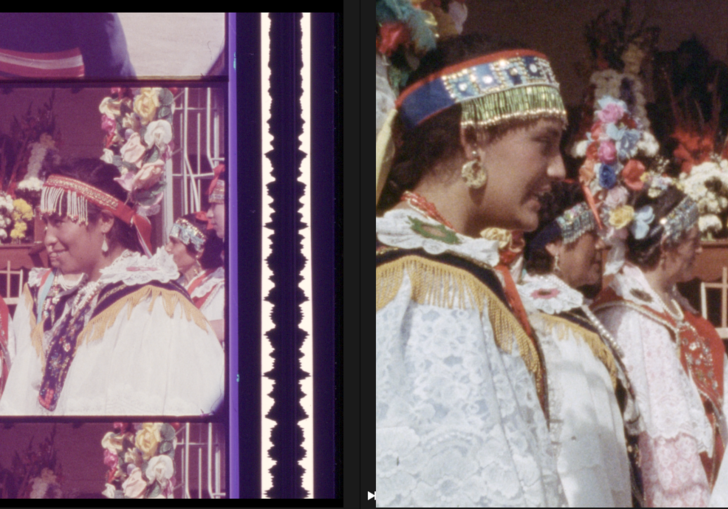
(554, 248)
(106, 221)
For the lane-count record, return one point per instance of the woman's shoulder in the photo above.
(548, 294)
(409, 230)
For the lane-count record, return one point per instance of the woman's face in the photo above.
(181, 255)
(681, 258)
(72, 247)
(581, 261)
(521, 163)
(216, 215)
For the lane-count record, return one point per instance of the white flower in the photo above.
(109, 491)
(709, 223)
(30, 184)
(39, 488)
(158, 133)
(579, 149)
(161, 469)
(108, 156)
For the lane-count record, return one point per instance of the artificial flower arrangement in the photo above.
(22, 215)
(31, 139)
(618, 162)
(140, 458)
(33, 474)
(618, 48)
(138, 127)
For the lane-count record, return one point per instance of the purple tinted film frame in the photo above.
(232, 256)
(244, 243)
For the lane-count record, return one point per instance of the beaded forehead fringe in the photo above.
(51, 202)
(680, 219)
(526, 103)
(188, 234)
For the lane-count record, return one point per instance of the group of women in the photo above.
(110, 329)
(498, 382)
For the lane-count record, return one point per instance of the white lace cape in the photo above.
(147, 363)
(676, 427)
(458, 419)
(585, 422)
(214, 306)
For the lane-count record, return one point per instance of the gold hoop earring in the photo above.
(474, 173)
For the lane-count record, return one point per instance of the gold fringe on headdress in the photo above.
(563, 329)
(445, 286)
(523, 103)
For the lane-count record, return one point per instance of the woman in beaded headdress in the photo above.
(126, 340)
(674, 358)
(586, 380)
(196, 251)
(460, 382)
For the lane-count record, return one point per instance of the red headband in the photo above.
(50, 202)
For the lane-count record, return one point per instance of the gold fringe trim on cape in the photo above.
(442, 285)
(558, 327)
(98, 325)
(36, 329)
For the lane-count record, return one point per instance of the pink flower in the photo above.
(610, 113)
(133, 150)
(135, 485)
(543, 293)
(110, 458)
(607, 152)
(108, 124)
(616, 197)
(126, 181)
(149, 175)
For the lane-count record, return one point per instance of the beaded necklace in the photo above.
(422, 205)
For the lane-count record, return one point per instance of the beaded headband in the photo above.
(188, 233)
(217, 186)
(680, 219)
(515, 84)
(576, 221)
(77, 196)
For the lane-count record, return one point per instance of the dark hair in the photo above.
(418, 150)
(563, 195)
(212, 248)
(645, 252)
(101, 175)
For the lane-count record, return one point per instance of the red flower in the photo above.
(597, 131)
(391, 36)
(631, 174)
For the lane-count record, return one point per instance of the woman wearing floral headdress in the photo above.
(196, 251)
(674, 358)
(591, 407)
(460, 379)
(126, 340)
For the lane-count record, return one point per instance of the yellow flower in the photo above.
(146, 104)
(621, 216)
(147, 440)
(504, 237)
(112, 441)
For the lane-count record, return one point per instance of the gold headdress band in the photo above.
(492, 89)
(78, 194)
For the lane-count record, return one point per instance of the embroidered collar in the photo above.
(410, 229)
(548, 294)
(630, 284)
(136, 269)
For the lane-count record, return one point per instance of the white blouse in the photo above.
(458, 419)
(585, 421)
